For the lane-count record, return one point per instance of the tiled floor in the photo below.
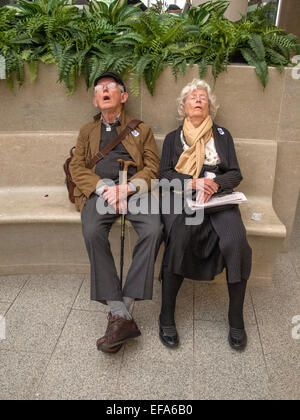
(51, 328)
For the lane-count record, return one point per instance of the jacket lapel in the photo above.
(130, 142)
(178, 145)
(95, 135)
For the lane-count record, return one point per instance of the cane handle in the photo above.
(126, 164)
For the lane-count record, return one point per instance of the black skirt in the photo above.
(200, 252)
(193, 251)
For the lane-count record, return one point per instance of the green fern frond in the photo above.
(203, 67)
(56, 50)
(261, 67)
(257, 46)
(33, 70)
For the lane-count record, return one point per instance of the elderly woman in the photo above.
(202, 157)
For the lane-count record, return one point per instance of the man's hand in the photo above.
(116, 196)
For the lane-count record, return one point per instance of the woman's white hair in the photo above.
(189, 88)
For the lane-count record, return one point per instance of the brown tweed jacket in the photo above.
(142, 149)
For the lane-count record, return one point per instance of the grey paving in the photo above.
(4, 308)
(20, 373)
(51, 328)
(224, 374)
(211, 303)
(76, 369)
(10, 287)
(83, 301)
(36, 318)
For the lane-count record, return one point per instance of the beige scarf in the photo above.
(191, 161)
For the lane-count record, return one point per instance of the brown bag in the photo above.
(70, 184)
(132, 125)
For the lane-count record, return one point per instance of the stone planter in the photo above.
(246, 109)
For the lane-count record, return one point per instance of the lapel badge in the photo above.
(135, 133)
(221, 131)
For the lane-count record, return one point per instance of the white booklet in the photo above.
(233, 198)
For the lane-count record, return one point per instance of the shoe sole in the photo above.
(109, 350)
(170, 346)
(238, 348)
(129, 337)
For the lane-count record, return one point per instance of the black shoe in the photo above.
(237, 338)
(169, 336)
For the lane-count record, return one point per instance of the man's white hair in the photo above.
(189, 88)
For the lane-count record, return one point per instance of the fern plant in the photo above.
(119, 37)
(151, 51)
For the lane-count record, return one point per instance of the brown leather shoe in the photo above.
(120, 330)
(102, 346)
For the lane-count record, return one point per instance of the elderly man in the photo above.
(94, 193)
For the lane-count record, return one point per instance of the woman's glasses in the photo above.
(201, 98)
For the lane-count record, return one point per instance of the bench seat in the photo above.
(41, 230)
(51, 205)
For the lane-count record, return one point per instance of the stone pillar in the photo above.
(235, 8)
(289, 18)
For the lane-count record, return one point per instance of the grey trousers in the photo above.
(105, 282)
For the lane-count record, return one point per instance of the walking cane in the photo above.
(125, 165)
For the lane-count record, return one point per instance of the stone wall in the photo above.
(246, 109)
(234, 11)
(289, 18)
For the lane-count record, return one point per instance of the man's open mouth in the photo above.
(106, 98)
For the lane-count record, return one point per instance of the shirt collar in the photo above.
(116, 121)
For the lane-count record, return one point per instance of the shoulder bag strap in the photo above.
(100, 155)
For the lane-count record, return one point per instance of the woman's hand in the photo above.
(203, 197)
(206, 184)
(206, 187)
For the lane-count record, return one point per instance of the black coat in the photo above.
(201, 252)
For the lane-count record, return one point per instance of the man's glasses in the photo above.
(110, 85)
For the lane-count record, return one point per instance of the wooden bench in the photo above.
(41, 230)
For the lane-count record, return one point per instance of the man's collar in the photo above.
(109, 124)
(124, 118)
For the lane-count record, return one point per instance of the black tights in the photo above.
(171, 284)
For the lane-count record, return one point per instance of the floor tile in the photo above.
(223, 373)
(84, 302)
(77, 370)
(19, 374)
(3, 308)
(37, 316)
(212, 302)
(275, 311)
(10, 287)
